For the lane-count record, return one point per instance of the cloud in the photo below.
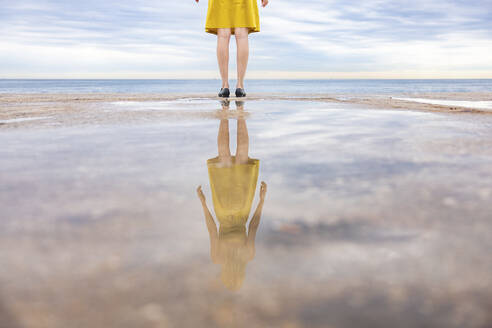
(148, 36)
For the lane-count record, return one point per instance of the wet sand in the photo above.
(374, 216)
(79, 108)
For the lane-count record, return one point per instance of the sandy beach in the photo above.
(39, 109)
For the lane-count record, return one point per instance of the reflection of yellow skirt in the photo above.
(233, 189)
(232, 13)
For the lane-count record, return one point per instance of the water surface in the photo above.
(328, 86)
(373, 218)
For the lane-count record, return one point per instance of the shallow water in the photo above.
(459, 103)
(373, 218)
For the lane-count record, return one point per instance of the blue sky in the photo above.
(310, 38)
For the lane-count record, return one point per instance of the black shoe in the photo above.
(240, 93)
(224, 93)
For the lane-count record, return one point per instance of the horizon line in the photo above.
(250, 79)
(256, 75)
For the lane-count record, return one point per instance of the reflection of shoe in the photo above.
(239, 103)
(224, 93)
(240, 92)
(225, 103)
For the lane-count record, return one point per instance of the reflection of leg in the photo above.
(223, 38)
(242, 45)
(240, 105)
(223, 142)
(242, 142)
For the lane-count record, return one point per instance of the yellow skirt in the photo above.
(233, 190)
(231, 14)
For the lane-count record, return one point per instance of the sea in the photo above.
(328, 86)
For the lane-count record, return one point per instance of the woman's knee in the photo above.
(224, 32)
(241, 32)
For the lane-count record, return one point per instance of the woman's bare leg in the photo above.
(242, 54)
(242, 150)
(223, 38)
(224, 149)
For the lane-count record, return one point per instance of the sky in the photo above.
(298, 39)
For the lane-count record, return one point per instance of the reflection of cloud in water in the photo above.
(7, 320)
(324, 175)
(357, 232)
(363, 225)
(380, 305)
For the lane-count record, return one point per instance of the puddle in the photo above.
(484, 105)
(179, 104)
(23, 119)
(365, 218)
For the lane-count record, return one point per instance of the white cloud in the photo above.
(149, 36)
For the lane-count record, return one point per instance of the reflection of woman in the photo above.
(239, 17)
(233, 183)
